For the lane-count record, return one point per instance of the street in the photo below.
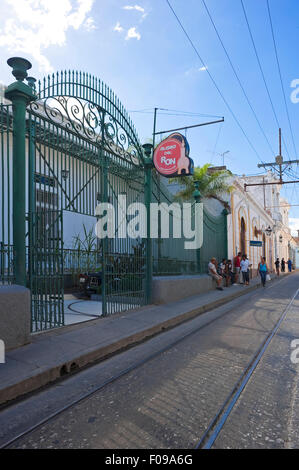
(165, 392)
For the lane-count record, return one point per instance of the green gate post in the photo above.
(20, 95)
(225, 214)
(148, 163)
(197, 197)
(106, 280)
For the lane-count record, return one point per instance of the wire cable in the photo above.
(263, 75)
(280, 76)
(237, 76)
(214, 82)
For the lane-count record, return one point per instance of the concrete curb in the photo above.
(52, 373)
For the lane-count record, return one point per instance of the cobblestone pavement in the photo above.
(267, 415)
(170, 400)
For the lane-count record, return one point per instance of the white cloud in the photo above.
(118, 27)
(133, 34)
(294, 225)
(89, 24)
(31, 26)
(136, 8)
(195, 70)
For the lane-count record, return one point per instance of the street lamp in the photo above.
(268, 231)
(65, 174)
(280, 238)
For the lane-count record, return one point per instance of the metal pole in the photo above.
(197, 197)
(20, 95)
(106, 281)
(269, 184)
(32, 203)
(154, 130)
(148, 200)
(159, 189)
(225, 214)
(280, 166)
(189, 127)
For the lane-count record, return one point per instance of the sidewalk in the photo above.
(55, 353)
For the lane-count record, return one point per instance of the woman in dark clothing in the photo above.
(277, 265)
(283, 265)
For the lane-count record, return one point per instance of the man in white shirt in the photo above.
(214, 274)
(244, 265)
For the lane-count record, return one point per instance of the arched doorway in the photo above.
(243, 237)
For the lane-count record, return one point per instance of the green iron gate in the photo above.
(6, 245)
(83, 150)
(46, 269)
(215, 239)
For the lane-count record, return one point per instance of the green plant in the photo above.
(86, 246)
(212, 184)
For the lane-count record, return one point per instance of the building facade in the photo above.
(258, 213)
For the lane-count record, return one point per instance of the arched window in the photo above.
(243, 237)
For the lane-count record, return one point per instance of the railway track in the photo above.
(217, 422)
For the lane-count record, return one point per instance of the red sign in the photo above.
(171, 157)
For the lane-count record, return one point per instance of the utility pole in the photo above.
(159, 188)
(148, 199)
(279, 161)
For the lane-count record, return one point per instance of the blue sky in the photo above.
(139, 50)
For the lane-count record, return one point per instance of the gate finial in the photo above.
(31, 82)
(19, 67)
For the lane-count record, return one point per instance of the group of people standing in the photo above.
(238, 271)
(282, 265)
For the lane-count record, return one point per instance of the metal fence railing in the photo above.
(6, 249)
(81, 261)
(6, 264)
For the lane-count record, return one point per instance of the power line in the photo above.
(280, 76)
(190, 113)
(237, 76)
(214, 82)
(174, 113)
(262, 72)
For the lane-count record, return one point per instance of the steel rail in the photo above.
(219, 420)
(114, 378)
